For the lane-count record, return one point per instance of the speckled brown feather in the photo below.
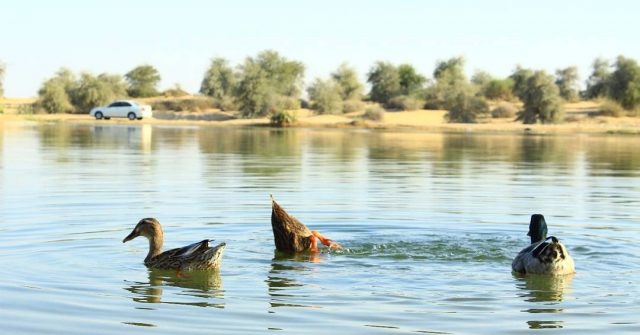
(201, 257)
(289, 234)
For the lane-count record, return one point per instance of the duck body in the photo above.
(197, 256)
(291, 235)
(545, 255)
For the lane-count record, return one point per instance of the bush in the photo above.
(26, 109)
(226, 103)
(467, 108)
(504, 110)
(498, 89)
(183, 105)
(326, 96)
(374, 113)
(282, 119)
(541, 99)
(610, 108)
(286, 103)
(351, 106)
(175, 92)
(405, 103)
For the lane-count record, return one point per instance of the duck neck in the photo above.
(155, 246)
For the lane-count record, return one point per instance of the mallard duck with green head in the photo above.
(545, 255)
(291, 235)
(196, 256)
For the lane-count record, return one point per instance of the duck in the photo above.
(196, 256)
(545, 255)
(292, 236)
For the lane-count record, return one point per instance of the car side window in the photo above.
(125, 104)
(115, 104)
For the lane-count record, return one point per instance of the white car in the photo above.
(121, 108)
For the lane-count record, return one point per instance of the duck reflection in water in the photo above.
(545, 293)
(196, 288)
(284, 288)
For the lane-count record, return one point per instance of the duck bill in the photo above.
(131, 236)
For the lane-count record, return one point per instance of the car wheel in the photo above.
(131, 116)
(98, 115)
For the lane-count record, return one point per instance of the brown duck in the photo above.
(291, 235)
(196, 256)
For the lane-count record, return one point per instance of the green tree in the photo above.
(53, 98)
(481, 78)
(492, 88)
(465, 108)
(519, 77)
(220, 80)
(268, 82)
(411, 81)
(53, 95)
(385, 82)
(3, 68)
(143, 81)
(326, 96)
(91, 91)
(450, 83)
(541, 98)
(498, 89)
(567, 81)
(598, 80)
(624, 83)
(350, 86)
(451, 69)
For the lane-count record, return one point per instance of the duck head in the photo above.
(148, 227)
(537, 228)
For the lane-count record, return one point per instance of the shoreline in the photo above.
(428, 121)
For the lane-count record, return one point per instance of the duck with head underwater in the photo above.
(545, 255)
(196, 256)
(291, 235)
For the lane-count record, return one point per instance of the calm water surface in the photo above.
(431, 222)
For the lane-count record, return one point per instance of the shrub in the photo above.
(175, 92)
(351, 106)
(624, 83)
(610, 108)
(504, 110)
(325, 96)
(567, 81)
(374, 113)
(347, 78)
(226, 103)
(282, 102)
(384, 79)
(26, 109)
(467, 108)
(183, 105)
(265, 80)
(282, 118)
(498, 89)
(220, 80)
(541, 99)
(405, 103)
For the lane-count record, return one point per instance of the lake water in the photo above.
(431, 222)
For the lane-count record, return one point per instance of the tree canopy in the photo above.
(143, 81)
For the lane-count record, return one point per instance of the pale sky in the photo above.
(180, 37)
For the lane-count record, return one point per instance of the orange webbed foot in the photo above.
(326, 241)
